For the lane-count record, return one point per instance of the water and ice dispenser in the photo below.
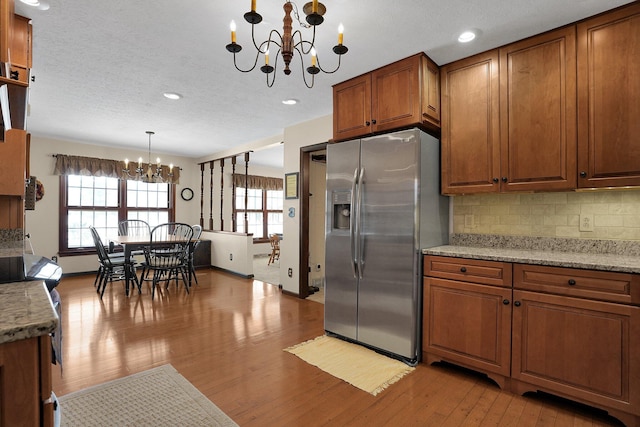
(341, 208)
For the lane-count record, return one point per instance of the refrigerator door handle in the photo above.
(359, 242)
(352, 225)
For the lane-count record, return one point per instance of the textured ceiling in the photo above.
(101, 67)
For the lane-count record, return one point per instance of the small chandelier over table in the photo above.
(148, 175)
(286, 42)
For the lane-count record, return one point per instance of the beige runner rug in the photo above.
(355, 364)
(156, 397)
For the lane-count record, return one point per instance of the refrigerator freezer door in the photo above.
(341, 284)
(388, 295)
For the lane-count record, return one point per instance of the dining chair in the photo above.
(111, 266)
(274, 240)
(135, 228)
(167, 255)
(197, 232)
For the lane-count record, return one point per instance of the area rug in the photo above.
(355, 364)
(156, 397)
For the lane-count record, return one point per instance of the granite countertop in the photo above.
(572, 253)
(606, 262)
(26, 311)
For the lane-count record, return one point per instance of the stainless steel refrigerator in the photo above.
(383, 206)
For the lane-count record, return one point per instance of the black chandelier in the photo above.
(288, 42)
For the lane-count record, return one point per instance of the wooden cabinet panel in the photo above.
(431, 93)
(469, 270)
(7, 10)
(585, 350)
(470, 125)
(538, 113)
(608, 94)
(468, 324)
(352, 108)
(21, 48)
(395, 95)
(19, 383)
(13, 160)
(599, 285)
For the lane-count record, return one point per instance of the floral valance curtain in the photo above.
(92, 166)
(257, 182)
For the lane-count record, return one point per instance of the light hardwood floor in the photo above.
(227, 338)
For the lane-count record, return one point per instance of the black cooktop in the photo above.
(30, 267)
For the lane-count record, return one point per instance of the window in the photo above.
(264, 212)
(103, 202)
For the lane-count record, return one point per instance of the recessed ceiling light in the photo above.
(290, 101)
(466, 37)
(172, 95)
(40, 4)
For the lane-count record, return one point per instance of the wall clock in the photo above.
(186, 194)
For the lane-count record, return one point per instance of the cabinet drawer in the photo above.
(468, 270)
(598, 285)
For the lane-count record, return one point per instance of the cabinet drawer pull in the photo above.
(367, 123)
(505, 301)
(517, 303)
(572, 282)
(373, 121)
(504, 179)
(496, 180)
(583, 174)
(463, 269)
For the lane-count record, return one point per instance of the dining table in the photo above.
(135, 243)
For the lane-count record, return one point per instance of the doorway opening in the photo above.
(312, 218)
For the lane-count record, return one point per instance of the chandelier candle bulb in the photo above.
(266, 58)
(139, 162)
(126, 163)
(313, 57)
(158, 161)
(232, 26)
(340, 34)
(253, 5)
(314, 8)
(170, 167)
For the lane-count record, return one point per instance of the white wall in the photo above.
(302, 135)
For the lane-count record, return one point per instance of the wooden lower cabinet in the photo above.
(25, 383)
(570, 332)
(581, 349)
(468, 324)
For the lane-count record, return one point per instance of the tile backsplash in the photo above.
(610, 214)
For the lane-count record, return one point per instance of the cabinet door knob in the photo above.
(373, 121)
(583, 174)
(14, 75)
(517, 303)
(367, 123)
(572, 282)
(496, 180)
(505, 301)
(504, 179)
(463, 269)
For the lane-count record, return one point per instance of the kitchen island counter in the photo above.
(26, 311)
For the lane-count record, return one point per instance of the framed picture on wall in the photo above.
(291, 185)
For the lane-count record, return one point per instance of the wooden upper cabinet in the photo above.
(400, 95)
(352, 108)
(609, 99)
(470, 125)
(7, 10)
(538, 113)
(21, 48)
(13, 160)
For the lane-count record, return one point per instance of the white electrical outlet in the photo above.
(586, 222)
(469, 221)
